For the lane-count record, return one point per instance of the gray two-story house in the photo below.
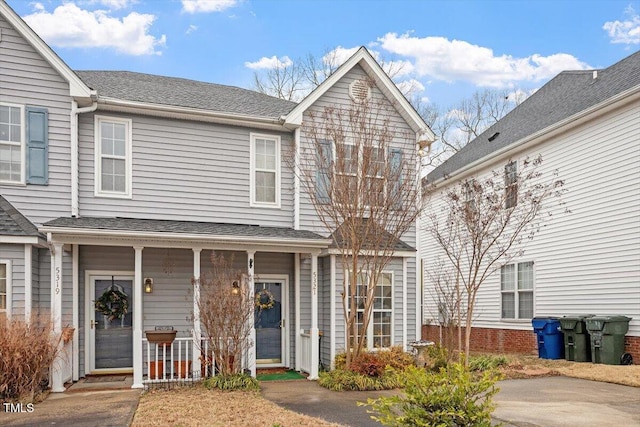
(120, 181)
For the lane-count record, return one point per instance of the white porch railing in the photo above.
(305, 351)
(171, 362)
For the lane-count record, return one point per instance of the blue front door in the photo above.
(268, 322)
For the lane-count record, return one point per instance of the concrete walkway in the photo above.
(538, 402)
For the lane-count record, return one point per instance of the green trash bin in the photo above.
(577, 346)
(607, 338)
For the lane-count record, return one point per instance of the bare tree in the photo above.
(226, 314)
(482, 225)
(363, 187)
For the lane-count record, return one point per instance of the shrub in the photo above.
(396, 358)
(438, 357)
(27, 350)
(368, 364)
(346, 380)
(487, 361)
(232, 382)
(453, 396)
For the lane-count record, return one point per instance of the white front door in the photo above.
(109, 321)
(270, 322)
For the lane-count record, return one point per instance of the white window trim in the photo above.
(517, 318)
(7, 311)
(23, 145)
(98, 192)
(252, 168)
(359, 172)
(370, 336)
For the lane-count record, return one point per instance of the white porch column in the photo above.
(57, 385)
(137, 319)
(197, 330)
(332, 307)
(28, 282)
(75, 281)
(251, 351)
(315, 359)
(296, 293)
(404, 303)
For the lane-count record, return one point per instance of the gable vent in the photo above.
(359, 90)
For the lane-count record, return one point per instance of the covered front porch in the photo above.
(157, 266)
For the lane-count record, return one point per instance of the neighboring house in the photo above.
(585, 124)
(111, 178)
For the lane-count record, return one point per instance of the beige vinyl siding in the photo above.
(27, 79)
(587, 261)
(185, 170)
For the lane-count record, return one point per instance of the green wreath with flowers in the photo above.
(113, 304)
(264, 299)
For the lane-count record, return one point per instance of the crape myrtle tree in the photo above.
(482, 224)
(226, 314)
(363, 186)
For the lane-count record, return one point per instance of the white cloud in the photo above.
(336, 57)
(265, 63)
(456, 60)
(192, 28)
(114, 4)
(410, 87)
(626, 32)
(70, 26)
(198, 6)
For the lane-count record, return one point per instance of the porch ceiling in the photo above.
(178, 234)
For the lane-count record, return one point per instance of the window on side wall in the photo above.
(4, 279)
(517, 284)
(511, 184)
(12, 134)
(378, 334)
(113, 157)
(265, 170)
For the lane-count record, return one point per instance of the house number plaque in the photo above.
(57, 280)
(315, 282)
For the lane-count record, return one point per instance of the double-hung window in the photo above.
(378, 334)
(346, 169)
(375, 174)
(511, 184)
(4, 288)
(516, 282)
(12, 136)
(113, 157)
(265, 170)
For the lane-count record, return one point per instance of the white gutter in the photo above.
(546, 133)
(188, 113)
(75, 111)
(319, 243)
(296, 180)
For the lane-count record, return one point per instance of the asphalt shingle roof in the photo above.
(13, 223)
(569, 93)
(185, 227)
(340, 240)
(177, 92)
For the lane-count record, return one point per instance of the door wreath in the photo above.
(113, 303)
(264, 299)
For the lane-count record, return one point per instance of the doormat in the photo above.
(105, 379)
(280, 376)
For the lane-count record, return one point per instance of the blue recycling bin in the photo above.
(550, 337)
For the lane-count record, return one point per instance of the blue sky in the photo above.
(447, 49)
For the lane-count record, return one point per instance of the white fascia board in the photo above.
(77, 88)
(187, 113)
(545, 134)
(23, 240)
(398, 254)
(184, 237)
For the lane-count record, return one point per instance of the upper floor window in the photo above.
(265, 170)
(511, 184)
(516, 283)
(12, 134)
(378, 334)
(113, 157)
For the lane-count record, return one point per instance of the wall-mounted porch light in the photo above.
(235, 287)
(148, 285)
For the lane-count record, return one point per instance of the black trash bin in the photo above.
(577, 346)
(549, 336)
(607, 339)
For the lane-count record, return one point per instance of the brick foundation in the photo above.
(507, 340)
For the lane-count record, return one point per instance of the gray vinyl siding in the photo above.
(185, 170)
(44, 276)
(42, 288)
(15, 255)
(27, 79)
(35, 279)
(324, 302)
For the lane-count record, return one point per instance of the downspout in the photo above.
(296, 180)
(75, 111)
